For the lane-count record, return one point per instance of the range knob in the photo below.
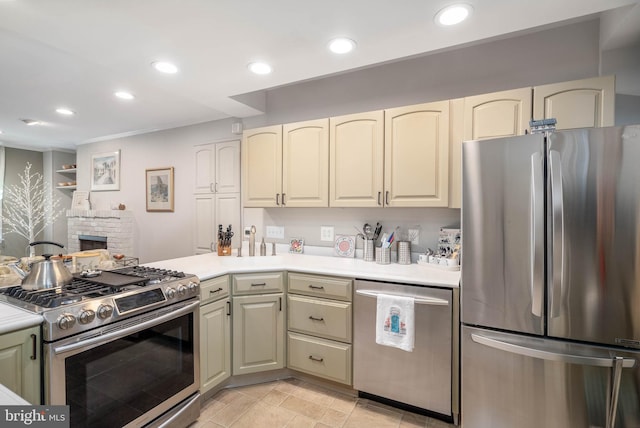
(105, 311)
(193, 287)
(66, 321)
(170, 292)
(182, 290)
(86, 316)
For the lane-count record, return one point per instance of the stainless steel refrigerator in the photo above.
(551, 280)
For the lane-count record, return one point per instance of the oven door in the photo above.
(129, 372)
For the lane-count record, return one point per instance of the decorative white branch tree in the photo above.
(30, 206)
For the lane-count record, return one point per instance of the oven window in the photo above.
(114, 383)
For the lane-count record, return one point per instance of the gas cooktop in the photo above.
(86, 303)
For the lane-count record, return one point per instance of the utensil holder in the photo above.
(404, 253)
(368, 250)
(383, 255)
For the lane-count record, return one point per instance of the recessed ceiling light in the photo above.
(341, 45)
(65, 111)
(453, 14)
(30, 122)
(124, 95)
(165, 67)
(259, 67)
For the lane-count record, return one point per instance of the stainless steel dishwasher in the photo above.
(426, 378)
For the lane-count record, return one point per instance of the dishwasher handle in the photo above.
(417, 300)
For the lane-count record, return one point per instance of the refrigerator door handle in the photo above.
(537, 235)
(417, 300)
(557, 220)
(544, 354)
(614, 391)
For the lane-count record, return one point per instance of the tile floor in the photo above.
(292, 403)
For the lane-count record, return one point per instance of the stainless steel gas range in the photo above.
(121, 348)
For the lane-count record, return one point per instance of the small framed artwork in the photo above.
(345, 245)
(80, 200)
(105, 171)
(296, 246)
(160, 189)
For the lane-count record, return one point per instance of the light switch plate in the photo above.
(275, 232)
(326, 233)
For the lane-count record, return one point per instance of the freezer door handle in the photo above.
(537, 235)
(557, 224)
(417, 300)
(544, 354)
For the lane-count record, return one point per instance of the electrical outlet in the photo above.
(247, 232)
(275, 232)
(414, 235)
(326, 233)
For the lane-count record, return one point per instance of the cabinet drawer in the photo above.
(214, 288)
(318, 317)
(319, 357)
(258, 283)
(321, 286)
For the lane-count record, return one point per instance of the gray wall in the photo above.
(627, 109)
(554, 55)
(15, 162)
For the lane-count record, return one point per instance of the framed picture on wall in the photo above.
(105, 171)
(160, 189)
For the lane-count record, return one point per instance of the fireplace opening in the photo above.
(91, 242)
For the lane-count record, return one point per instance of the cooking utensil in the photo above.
(368, 231)
(46, 273)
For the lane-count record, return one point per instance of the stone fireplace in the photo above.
(115, 227)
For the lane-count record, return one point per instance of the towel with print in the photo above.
(395, 321)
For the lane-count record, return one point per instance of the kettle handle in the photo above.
(46, 242)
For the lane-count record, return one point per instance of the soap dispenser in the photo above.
(263, 248)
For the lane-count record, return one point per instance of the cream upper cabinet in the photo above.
(577, 104)
(305, 164)
(499, 114)
(356, 160)
(456, 129)
(417, 155)
(217, 167)
(262, 166)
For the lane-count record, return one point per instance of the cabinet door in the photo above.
(417, 155)
(258, 333)
(227, 212)
(20, 363)
(227, 167)
(356, 160)
(499, 114)
(305, 164)
(577, 104)
(215, 344)
(204, 225)
(205, 158)
(262, 166)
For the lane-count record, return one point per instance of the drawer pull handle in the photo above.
(312, 358)
(215, 291)
(259, 284)
(34, 354)
(316, 287)
(311, 317)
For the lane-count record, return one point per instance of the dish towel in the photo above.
(395, 322)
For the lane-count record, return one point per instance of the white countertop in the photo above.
(12, 318)
(210, 265)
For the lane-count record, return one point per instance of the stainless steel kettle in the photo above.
(46, 273)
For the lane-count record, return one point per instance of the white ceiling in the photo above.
(76, 53)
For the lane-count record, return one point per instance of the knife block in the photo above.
(224, 250)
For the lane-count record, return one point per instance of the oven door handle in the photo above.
(117, 334)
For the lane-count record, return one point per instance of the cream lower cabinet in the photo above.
(20, 360)
(416, 155)
(258, 322)
(286, 165)
(582, 103)
(320, 326)
(215, 332)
